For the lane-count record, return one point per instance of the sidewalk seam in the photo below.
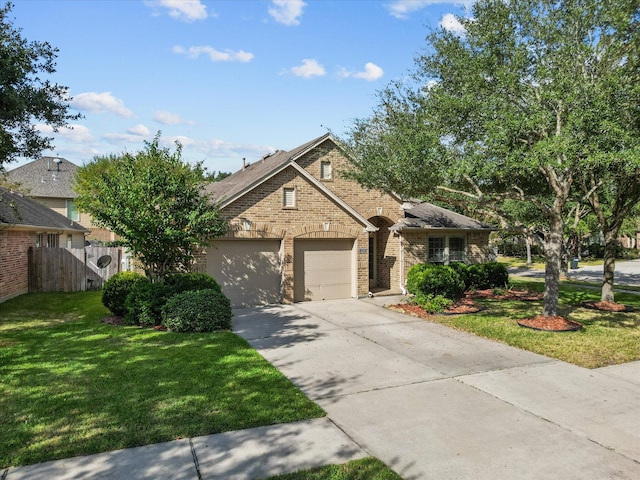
(195, 459)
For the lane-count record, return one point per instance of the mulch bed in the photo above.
(608, 306)
(523, 295)
(550, 324)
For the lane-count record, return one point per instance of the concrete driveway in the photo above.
(435, 403)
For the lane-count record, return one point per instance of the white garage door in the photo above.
(247, 270)
(323, 269)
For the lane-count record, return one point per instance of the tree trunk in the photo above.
(553, 253)
(527, 240)
(609, 266)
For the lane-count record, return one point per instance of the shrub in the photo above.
(497, 274)
(116, 290)
(145, 302)
(477, 277)
(432, 303)
(197, 311)
(181, 282)
(415, 276)
(462, 269)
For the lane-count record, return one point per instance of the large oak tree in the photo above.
(510, 109)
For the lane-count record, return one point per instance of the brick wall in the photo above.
(14, 262)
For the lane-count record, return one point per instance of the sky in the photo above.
(228, 79)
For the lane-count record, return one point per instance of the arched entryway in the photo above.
(384, 256)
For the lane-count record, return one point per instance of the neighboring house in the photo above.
(300, 231)
(26, 223)
(50, 181)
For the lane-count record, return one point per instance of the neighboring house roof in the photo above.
(426, 216)
(45, 177)
(229, 189)
(19, 211)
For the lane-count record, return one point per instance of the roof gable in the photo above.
(18, 210)
(46, 177)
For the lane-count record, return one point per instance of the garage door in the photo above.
(247, 270)
(323, 269)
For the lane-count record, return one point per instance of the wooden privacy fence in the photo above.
(71, 269)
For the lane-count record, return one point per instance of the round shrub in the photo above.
(433, 304)
(197, 311)
(116, 290)
(181, 282)
(441, 280)
(144, 303)
(497, 274)
(415, 275)
(477, 277)
(462, 269)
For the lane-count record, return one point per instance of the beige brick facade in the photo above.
(346, 211)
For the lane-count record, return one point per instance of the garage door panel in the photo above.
(248, 270)
(323, 269)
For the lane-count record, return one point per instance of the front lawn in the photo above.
(72, 385)
(364, 469)
(606, 339)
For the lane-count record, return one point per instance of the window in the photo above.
(40, 240)
(53, 240)
(325, 170)
(436, 250)
(456, 249)
(69, 240)
(289, 197)
(72, 211)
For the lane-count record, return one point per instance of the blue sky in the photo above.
(228, 79)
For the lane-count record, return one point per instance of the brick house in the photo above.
(51, 181)
(26, 223)
(300, 231)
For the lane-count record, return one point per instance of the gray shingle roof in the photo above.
(428, 216)
(254, 173)
(45, 177)
(19, 210)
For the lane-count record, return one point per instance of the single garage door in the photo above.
(247, 270)
(323, 269)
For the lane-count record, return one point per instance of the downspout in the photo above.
(402, 289)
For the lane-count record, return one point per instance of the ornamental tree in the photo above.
(155, 202)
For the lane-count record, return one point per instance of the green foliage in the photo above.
(155, 202)
(432, 303)
(433, 280)
(197, 311)
(497, 274)
(180, 282)
(146, 300)
(27, 99)
(116, 290)
(462, 269)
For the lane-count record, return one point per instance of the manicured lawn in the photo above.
(539, 262)
(72, 385)
(606, 339)
(365, 469)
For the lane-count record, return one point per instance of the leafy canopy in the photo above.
(155, 202)
(25, 97)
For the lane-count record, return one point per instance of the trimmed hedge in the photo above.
(116, 290)
(197, 311)
(146, 300)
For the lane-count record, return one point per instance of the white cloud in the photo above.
(213, 54)
(168, 118)
(309, 68)
(287, 12)
(450, 23)
(139, 130)
(403, 8)
(371, 72)
(187, 10)
(101, 103)
(72, 133)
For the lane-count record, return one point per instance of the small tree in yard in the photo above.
(155, 202)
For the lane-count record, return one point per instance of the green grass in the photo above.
(606, 339)
(539, 262)
(72, 385)
(365, 469)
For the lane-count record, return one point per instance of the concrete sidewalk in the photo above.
(429, 401)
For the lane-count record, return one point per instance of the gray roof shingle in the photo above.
(19, 210)
(45, 177)
(428, 216)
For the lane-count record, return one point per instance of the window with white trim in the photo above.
(289, 197)
(53, 240)
(72, 211)
(436, 250)
(457, 250)
(447, 249)
(326, 172)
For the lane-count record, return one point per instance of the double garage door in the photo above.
(250, 271)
